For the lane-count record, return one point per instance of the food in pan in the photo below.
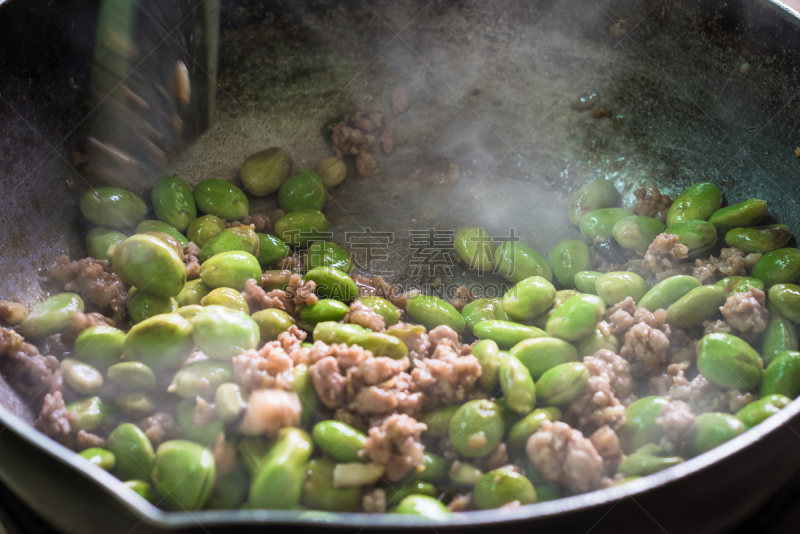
(214, 358)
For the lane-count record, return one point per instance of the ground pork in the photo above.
(86, 440)
(374, 502)
(53, 418)
(259, 222)
(12, 312)
(258, 299)
(295, 263)
(646, 348)
(677, 421)
(609, 390)
(443, 333)
(606, 441)
(731, 262)
(379, 287)
(291, 342)
(663, 257)
(745, 311)
(31, 373)
(93, 280)
(463, 297)
(701, 395)
(418, 343)
(399, 101)
(267, 368)
(460, 503)
(204, 412)
(80, 322)
(496, 459)
(446, 376)
(396, 445)
(160, 427)
(269, 410)
(716, 327)
(224, 456)
(299, 294)
(191, 260)
(651, 202)
(363, 315)
(387, 141)
(564, 457)
(355, 135)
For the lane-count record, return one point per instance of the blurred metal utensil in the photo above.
(154, 83)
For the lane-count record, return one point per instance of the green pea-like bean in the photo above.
(600, 338)
(230, 490)
(271, 322)
(438, 421)
(173, 202)
(204, 228)
(143, 305)
(81, 377)
(543, 353)
(168, 239)
(241, 238)
(562, 384)
(183, 474)
(744, 214)
(600, 223)
(298, 228)
(484, 309)
(223, 333)
(590, 197)
(529, 298)
(516, 261)
(230, 269)
(160, 226)
(487, 353)
(150, 264)
(502, 486)
(161, 342)
(229, 402)
(506, 333)
(133, 452)
(416, 487)
(434, 468)
(576, 318)
(271, 250)
(135, 404)
(384, 308)
(278, 481)
(786, 299)
(517, 385)
(641, 463)
(333, 283)
(265, 171)
(99, 345)
(112, 207)
(304, 190)
(89, 414)
(696, 306)
(319, 493)
(698, 201)
(423, 506)
(476, 428)
(132, 376)
(51, 316)
(340, 440)
(640, 427)
(759, 411)
(667, 291)
(100, 457)
(616, 286)
(759, 239)
(227, 298)
(431, 311)
(140, 488)
(327, 254)
(585, 281)
(464, 474)
(713, 429)
(728, 361)
(324, 310)
(740, 284)
(780, 266)
(474, 246)
(192, 293)
(206, 433)
(100, 242)
(782, 376)
(330, 332)
(523, 429)
(381, 345)
(222, 199)
(779, 336)
(200, 378)
(636, 232)
(697, 235)
(568, 258)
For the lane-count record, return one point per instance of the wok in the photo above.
(490, 85)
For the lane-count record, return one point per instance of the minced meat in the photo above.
(446, 376)
(463, 297)
(191, 260)
(363, 315)
(650, 202)
(269, 410)
(609, 390)
(53, 419)
(664, 256)
(95, 282)
(374, 502)
(396, 445)
(258, 222)
(31, 373)
(564, 457)
(257, 299)
(160, 427)
(731, 262)
(745, 311)
(677, 421)
(606, 441)
(80, 322)
(267, 368)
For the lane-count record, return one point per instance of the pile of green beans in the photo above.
(530, 344)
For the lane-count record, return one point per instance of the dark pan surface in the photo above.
(491, 86)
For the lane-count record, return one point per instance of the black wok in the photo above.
(491, 85)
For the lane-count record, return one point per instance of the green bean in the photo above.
(340, 440)
(183, 474)
(501, 486)
(173, 202)
(278, 481)
(222, 199)
(476, 428)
